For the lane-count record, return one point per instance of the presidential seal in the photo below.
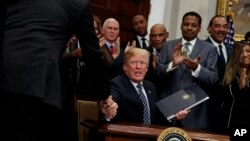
(174, 134)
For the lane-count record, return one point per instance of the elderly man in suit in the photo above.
(111, 46)
(35, 35)
(126, 89)
(187, 61)
(158, 36)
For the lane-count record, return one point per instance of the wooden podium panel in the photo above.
(140, 132)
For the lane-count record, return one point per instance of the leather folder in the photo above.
(185, 98)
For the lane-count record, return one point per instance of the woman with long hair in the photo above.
(236, 81)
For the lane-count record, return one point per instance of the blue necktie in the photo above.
(146, 113)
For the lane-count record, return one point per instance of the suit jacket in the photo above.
(217, 96)
(36, 33)
(236, 110)
(114, 65)
(181, 77)
(221, 68)
(137, 43)
(151, 74)
(130, 108)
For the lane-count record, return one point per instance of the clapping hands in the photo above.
(179, 57)
(130, 45)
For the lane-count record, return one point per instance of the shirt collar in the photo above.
(135, 84)
(192, 42)
(215, 43)
(109, 44)
(140, 37)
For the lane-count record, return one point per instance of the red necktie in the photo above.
(112, 49)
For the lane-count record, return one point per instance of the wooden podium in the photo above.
(140, 132)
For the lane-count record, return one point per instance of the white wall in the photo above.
(170, 13)
(157, 12)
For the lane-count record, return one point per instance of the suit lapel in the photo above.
(147, 89)
(132, 92)
(107, 54)
(229, 51)
(137, 42)
(148, 93)
(196, 49)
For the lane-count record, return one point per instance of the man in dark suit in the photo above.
(193, 63)
(125, 93)
(218, 30)
(35, 35)
(140, 25)
(111, 47)
(158, 36)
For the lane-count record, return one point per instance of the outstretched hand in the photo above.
(108, 107)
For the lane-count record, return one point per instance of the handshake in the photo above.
(108, 108)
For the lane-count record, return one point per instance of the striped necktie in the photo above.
(186, 50)
(146, 112)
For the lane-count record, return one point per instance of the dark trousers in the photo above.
(25, 118)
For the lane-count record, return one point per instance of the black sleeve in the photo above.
(91, 50)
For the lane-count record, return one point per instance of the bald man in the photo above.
(158, 36)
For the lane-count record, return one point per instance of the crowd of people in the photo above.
(47, 56)
(171, 68)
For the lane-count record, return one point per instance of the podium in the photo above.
(141, 132)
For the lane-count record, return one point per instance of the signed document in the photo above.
(182, 99)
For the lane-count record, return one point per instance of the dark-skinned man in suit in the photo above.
(189, 61)
(218, 30)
